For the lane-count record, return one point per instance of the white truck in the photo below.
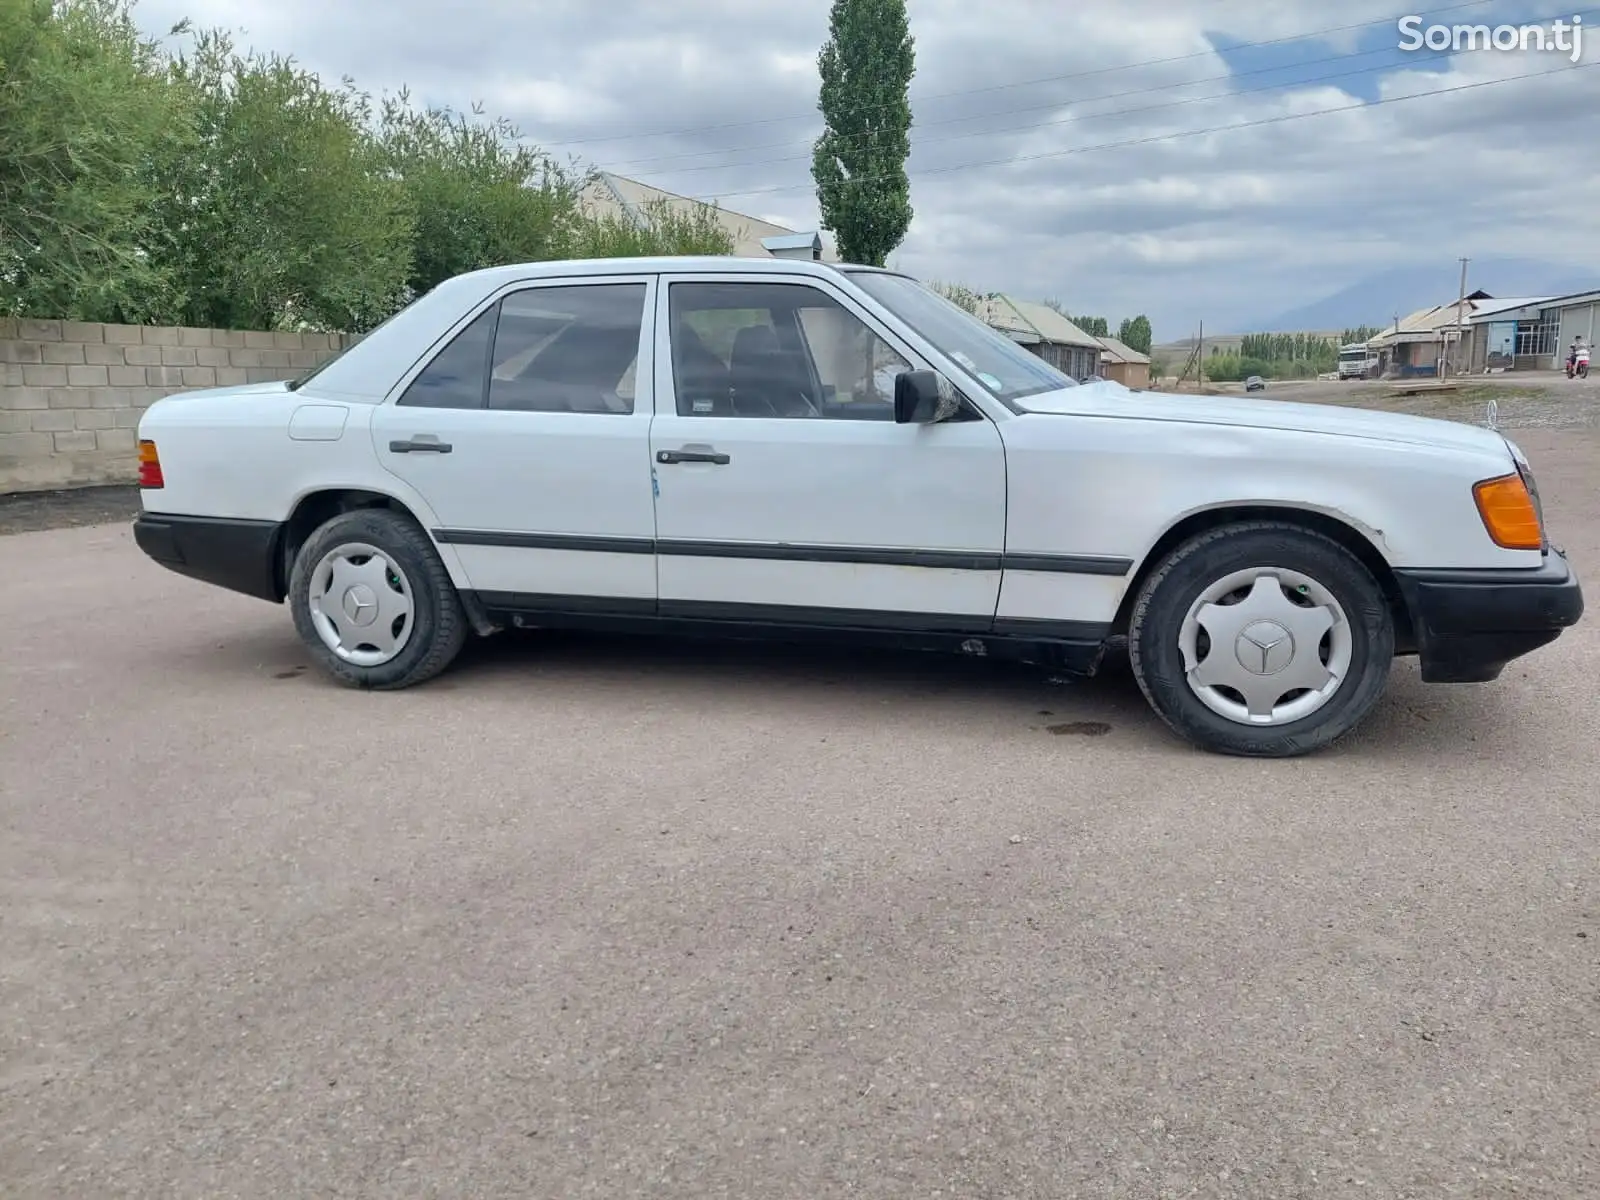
(1357, 361)
(714, 447)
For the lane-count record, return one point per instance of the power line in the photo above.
(1054, 105)
(1068, 120)
(1179, 136)
(1000, 87)
(1116, 112)
(1006, 112)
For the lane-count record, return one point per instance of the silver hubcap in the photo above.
(1265, 646)
(361, 604)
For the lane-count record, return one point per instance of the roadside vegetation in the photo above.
(214, 187)
(1283, 355)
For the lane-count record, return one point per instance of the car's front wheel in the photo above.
(1261, 639)
(374, 603)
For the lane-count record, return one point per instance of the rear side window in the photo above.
(569, 348)
(458, 375)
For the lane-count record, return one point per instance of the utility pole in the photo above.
(1461, 317)
(1200, 355)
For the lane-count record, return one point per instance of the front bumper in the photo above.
(239, 555)
(1469, 624)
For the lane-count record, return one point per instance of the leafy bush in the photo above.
(211, 187)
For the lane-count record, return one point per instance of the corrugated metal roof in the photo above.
(1485, 308)
(1122, 352)
(628, 198)
(793, 241)
(1029, 323)
(1426, 324)
(1573, 299)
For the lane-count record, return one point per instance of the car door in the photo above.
(527, 433)
(787, 492)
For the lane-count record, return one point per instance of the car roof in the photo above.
(724, 264)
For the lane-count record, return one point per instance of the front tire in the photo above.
(1261, 639)
(373, 602)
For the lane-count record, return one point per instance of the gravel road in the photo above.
(621, 918)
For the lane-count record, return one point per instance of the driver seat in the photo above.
(764, 380)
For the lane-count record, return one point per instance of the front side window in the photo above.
(543, 349)
(777, 350)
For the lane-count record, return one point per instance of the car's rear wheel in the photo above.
(373, 602)
(1261, 639)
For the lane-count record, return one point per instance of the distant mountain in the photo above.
(1376, 299)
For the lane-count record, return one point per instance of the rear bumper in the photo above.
(1470, 624)
(239, 555)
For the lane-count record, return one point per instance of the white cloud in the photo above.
(1216, 226)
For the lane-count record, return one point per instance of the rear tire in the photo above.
(373, 602)
(1296, 604)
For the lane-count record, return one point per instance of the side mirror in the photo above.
(924, 398)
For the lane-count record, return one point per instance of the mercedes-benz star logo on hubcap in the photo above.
(1264, 648)
(360, 604)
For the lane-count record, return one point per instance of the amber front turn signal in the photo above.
(149, 465)
(1509, 512)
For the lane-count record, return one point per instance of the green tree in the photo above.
(286, 214)
(478, 195)
(959, 295)
(1135, 333)
(84, 112)
(1093, 326)
(859, 162)
(662, 229)
(237, 190)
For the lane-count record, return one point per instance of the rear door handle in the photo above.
(423, 443)
(689, 456)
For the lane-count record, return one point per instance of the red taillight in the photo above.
(149, 466)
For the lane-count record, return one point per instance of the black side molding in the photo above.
(545, 541)
(878, 556)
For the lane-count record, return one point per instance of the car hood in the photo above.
(1099, 399)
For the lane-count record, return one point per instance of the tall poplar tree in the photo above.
(859, 162)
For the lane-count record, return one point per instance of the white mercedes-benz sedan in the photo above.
(778, 449)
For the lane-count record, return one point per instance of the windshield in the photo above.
(994, 360)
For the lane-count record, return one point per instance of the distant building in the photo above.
(1122, 363)
(1531, 334)
(1424, 342)
(617, 195)
(1045, 332)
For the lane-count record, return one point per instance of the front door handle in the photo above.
(689, 456)
(423, 443)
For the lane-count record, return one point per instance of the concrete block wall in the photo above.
(71, 393)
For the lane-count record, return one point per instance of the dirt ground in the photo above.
(1528, 400)
(625, 918)
(26, 512)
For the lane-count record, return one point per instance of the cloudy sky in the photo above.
(1080, 152)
